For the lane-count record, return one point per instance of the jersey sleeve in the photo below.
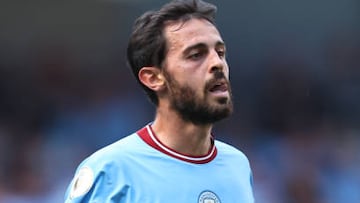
(96, 184)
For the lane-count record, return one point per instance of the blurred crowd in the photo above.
(301, 128)
(297, 115)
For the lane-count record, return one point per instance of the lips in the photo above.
(219, 87)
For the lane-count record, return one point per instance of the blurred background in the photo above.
(65, 91)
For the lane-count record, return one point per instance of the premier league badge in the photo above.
(82, 182)
(208, 197)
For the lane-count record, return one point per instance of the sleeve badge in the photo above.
(82, 183)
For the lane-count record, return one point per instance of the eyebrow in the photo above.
(201, 46)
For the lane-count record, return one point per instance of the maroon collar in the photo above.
(148, 135)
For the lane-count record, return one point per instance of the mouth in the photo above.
(219, 87)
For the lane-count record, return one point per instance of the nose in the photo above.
(217, 63)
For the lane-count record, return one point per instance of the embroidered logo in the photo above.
(208, 197)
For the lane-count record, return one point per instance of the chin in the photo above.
(223, 101)
(222, 110)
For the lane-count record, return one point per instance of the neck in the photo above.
(182, 136)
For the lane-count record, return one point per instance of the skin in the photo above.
(195, 52)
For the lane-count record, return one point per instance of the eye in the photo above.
(221, 53)
(195, 55)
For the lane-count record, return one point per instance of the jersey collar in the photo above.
(148, 136)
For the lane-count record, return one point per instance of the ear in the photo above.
(152, 78)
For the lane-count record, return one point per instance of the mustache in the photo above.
(218, 76)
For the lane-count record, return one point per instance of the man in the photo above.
(178, 56)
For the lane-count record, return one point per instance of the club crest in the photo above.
(208, 197)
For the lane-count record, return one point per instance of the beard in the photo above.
(195, 109)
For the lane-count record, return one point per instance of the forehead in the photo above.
(182, 34)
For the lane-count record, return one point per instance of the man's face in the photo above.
(196, 72)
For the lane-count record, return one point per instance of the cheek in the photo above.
(191, 77)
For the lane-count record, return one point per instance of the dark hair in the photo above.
(147, 44)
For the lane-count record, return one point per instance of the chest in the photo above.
(161, 180)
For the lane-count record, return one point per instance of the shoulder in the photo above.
(103, 171)
(227, 148)
(115, 152)
(108, 160)
(229, 151)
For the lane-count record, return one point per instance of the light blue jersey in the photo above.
(140, 169)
